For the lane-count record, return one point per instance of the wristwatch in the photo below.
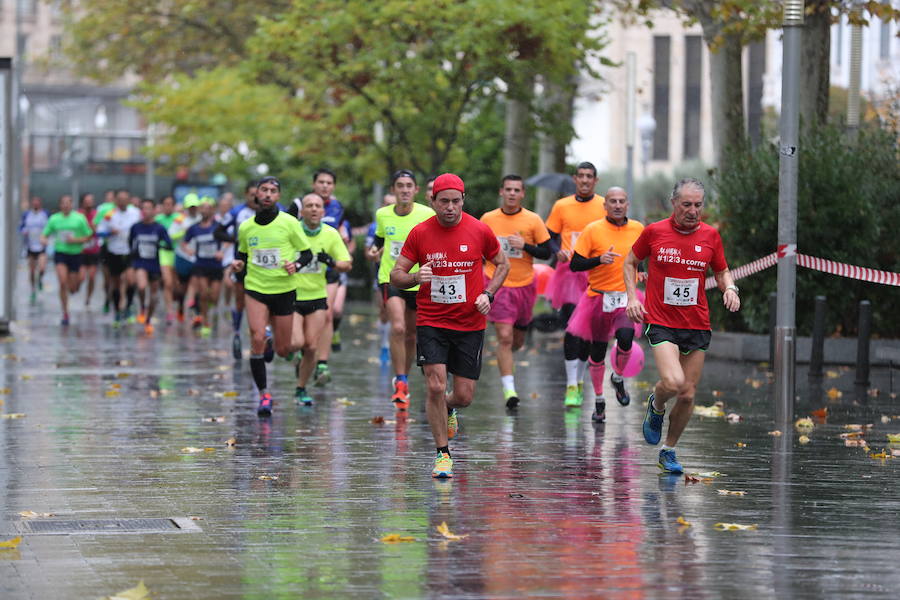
(489, 295)
(733, 288)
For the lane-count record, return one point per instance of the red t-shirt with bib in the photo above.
(676, 273)
(456, 254)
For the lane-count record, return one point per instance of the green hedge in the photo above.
(848, 211)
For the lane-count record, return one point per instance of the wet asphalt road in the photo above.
(550, 504)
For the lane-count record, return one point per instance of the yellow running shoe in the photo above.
(452, 424)
(573, 398)
(443, 466)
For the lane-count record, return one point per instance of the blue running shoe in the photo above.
(653, 422)
(668, 462)
(265, 405)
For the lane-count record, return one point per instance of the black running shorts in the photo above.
(459, 350)
(687, 340)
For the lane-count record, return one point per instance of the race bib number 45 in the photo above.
(681, 292)
(448, 290)
(266, 258)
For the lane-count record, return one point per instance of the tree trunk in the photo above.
(727, 98)
(558, 102)
(814, 68)
(517, 140)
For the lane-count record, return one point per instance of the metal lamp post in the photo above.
(785, 319)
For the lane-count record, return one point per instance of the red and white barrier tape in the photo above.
(816, 264)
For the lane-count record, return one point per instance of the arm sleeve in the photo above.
(580, 263)
(541, 251)
(554, 241)
(221, 233)
(293, 210)
(378, 242)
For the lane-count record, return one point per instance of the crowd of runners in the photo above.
(441, 276)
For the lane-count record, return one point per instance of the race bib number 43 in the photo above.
(266, 258)
(681, 292)
(448, 290)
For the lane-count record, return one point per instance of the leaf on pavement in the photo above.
(681, 521)
(396, 538)
(832, 374)
(880, 455)
(5, 391)
(112, 393)
(776, 433)
(804, 424)
(708, 474)
(220, 419)
(709, 411)
(268, 477)
(855, 443)
(893, 437)
(444, 530)
(717, 393)
(345, 401)
(733, 418)
(821, 413)
(377, 420)
(230, 394)
(138, 592)
(734, 527)
(12, 415)
(191, 450)
(30, 514)
(741, 445)
(731, 492)
(803, 439)
(13, 543)
(834, 393)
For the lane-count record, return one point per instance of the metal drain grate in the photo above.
(107, 526)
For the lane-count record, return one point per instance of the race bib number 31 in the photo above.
(613, 301)
(266, 258)
(681, 292)
(448, 290)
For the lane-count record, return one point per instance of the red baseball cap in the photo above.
(447, 181)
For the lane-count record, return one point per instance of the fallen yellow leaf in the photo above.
(13, 543)
(123, 375)
(733, 527)
(681, 521)
(880, 455)
(834, 393)
(30, 514)
(345, 401)
(112, 393)
(803, 439)
(444, 530)
(709, 411)
(268, 477)
(893, 437)
(741, 445)
(708, 474)
(12, 415)
(5, 391)
(191, 450)
(230, 394)
(27, 377)
(776, 433)
(396, 538)
(804, 424)
(138, 592)
(732, 493)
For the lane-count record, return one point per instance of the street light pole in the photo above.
(785, 314)
(636, 208)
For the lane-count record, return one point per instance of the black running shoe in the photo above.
(599, 415)
(618, 384)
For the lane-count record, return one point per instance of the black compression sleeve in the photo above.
(542, 251)
(305, 258)
(293, 210)
(221, 234)
(580, 263)
(379, 242)
(241, 256)
(554, 242)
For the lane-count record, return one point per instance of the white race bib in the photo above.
(206, 250)
(574, 238)
(266, 258)
(681, 292)
(448, 290)
(310, 267)
(613, 301)
(396, 247)
(507, 249)
(147, 250)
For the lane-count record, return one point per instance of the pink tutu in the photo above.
(566, 286)
(590, 323)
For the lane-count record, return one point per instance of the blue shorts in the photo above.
(72, 261)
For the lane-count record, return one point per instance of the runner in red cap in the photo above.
(452, 303)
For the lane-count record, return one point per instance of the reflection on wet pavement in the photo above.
(552, 506)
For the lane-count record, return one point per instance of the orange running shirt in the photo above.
(569, 217)
(595, 240)
(528, 226)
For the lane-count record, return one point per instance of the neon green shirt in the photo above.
(394, 229)
(312, 277)
(268, 248)
(64, 228)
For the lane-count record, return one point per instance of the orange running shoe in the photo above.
(400, 398)
(148, 329)
(141, 318)
(197, 323)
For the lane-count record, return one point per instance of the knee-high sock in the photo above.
(258, 370)
(598, 370)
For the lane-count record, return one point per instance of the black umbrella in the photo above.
(560, 183)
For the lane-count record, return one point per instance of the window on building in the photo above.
(662, 50)
(693, 57)
(839, 43)
(884, 42)
(27, 8)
